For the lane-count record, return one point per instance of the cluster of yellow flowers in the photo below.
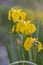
(23, 26)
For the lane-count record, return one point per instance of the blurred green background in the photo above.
(34, 9)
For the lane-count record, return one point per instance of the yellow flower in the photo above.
(12, 30)
(23, 15)
(30, 29)
(20, 27)
(15, 15)
(28, 43)
(39, 46)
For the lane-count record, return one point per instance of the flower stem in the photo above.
(30, 55)
(35, 52)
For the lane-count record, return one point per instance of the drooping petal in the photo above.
(9, 15)
(28, 43)
(39, 46)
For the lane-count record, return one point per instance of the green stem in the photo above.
(30, 55)
(10, 48)
(35, 52)
(19, 54)
(18, 48)
(28, 62)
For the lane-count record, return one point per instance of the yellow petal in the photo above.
(20, 27)
(28, 43)
(9, 15)
(30, 29)
(15, 15)
(39, 46)
(23, 15)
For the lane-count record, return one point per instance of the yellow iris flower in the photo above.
(16, 15)
(29, 43)
(25, 27)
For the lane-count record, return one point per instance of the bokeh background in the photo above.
(34, 9)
